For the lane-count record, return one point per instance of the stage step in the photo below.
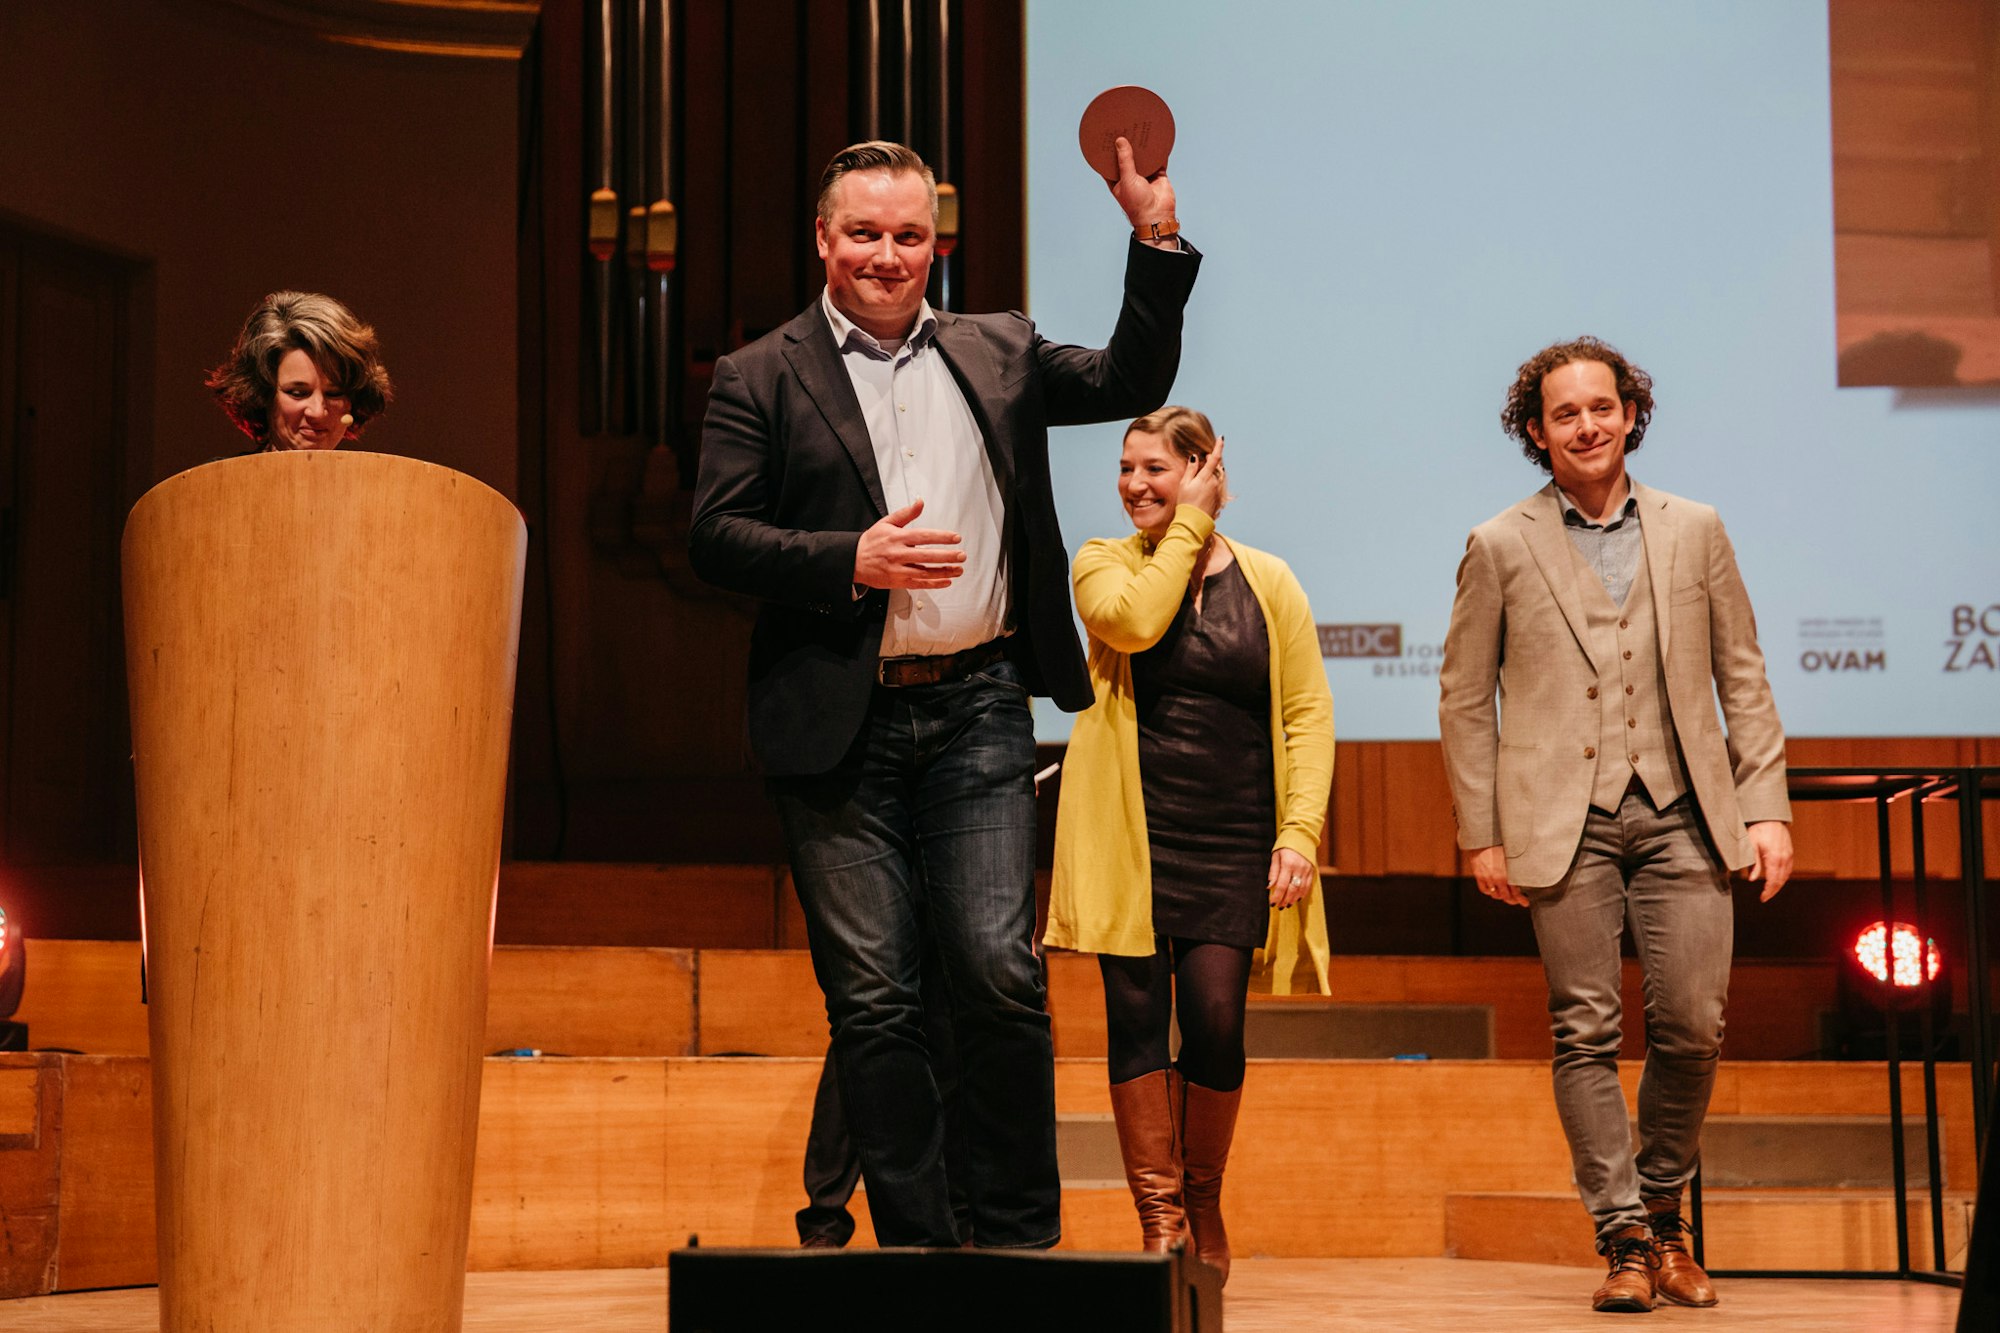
(1810, 1152)
(1742, 1153)
(83, 995)
(1743, 1229)
(1333, 1030)
(603, 1163)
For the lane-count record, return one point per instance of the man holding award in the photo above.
(876, 472)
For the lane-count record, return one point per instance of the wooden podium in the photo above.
(321, 651)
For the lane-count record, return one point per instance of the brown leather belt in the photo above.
(898, 672)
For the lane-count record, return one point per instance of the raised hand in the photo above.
(892, 554)
(1145, 199)
(1202, 486)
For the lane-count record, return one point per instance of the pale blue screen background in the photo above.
(1400, 202)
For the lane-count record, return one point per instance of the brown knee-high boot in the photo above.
(1208, 1125)
(1148, 1112)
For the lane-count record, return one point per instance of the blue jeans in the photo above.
(832, 1168)
(932, 814)
(1649, 871)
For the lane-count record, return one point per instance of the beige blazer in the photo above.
(1517, 760)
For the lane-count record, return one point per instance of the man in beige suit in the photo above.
(1597, 789)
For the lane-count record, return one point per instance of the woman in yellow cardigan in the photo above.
(1193, 796)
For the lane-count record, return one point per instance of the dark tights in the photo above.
(1212, 981)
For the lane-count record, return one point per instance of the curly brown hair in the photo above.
(1524, 395)
(344, 349)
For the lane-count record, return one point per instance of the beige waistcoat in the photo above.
(1635, 728)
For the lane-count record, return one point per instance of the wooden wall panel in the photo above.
(670, 906)
(107, 1174)
(83, 995)
(1773, 1013)
(1389, 815)
(592, 1001)
(791, 917)
(572, 1164)
(1354, 823)
(1842, 1088)
(1512, 986)
(592, 1163)
(1391, 808)
(657, 1002)
(1093, 1219)
(738, 1130)
(1398, 1137)
(1802, 1229)
(1403, 1140)
(30, 1173)
(1076, 1004)
(1419, 836)
(760, 1001)
(1839, 840)
(20, 1097)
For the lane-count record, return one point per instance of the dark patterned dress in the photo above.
(1204, 697)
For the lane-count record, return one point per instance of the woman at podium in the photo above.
(304, 374)
(1192, 800)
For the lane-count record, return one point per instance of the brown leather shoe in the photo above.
(1148, 1112)
(1629, 1286)
(1681, 1279)
(1208, 1127)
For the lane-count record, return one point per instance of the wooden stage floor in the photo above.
(1265, 1296)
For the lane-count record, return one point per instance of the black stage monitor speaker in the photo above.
(736, 1291)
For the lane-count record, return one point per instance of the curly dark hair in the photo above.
(344, 349)
(1524, 395)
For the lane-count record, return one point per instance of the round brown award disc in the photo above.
(1137, 113)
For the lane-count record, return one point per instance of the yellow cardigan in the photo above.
(1101, 900)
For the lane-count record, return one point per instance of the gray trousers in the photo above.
(1654, 872)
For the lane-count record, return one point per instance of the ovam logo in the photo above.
(1849, 660)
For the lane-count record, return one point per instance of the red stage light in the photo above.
(1871, 950)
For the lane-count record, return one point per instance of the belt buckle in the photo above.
(884, 664)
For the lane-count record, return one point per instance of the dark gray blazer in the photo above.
(788, 483)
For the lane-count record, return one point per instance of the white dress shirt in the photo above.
(928, 446)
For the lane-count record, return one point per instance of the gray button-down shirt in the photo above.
(1612, 548)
